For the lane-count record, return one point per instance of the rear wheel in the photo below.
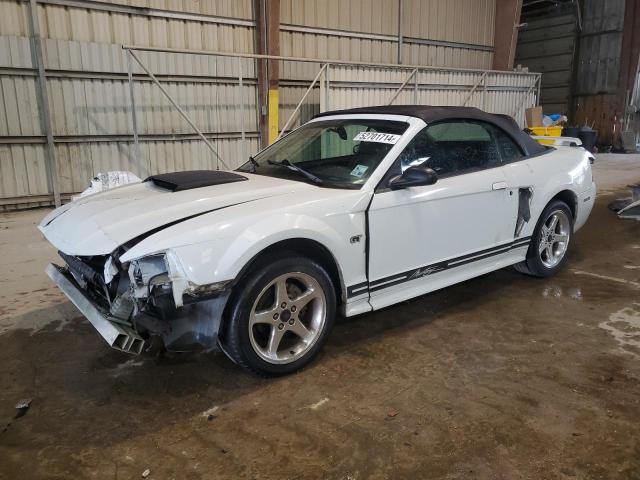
(280, 316)
(550, 241)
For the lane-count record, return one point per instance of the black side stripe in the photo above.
(390, 281)
(357, 289)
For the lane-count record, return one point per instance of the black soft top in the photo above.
(432, 114)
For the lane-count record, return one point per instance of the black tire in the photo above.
(534, 265)
(236, 341)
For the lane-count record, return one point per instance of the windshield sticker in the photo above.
(359, 170)
(378, 137)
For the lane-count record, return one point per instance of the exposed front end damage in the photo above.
(131, 303)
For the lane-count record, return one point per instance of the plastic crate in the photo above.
(546, 132)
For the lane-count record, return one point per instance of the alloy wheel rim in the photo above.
(554, 238)
(287, 318)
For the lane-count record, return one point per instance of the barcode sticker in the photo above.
(378, 137)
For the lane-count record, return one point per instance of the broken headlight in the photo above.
(151, 282)
(162, 275)
(148, 270)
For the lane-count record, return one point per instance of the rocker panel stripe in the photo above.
(396, 279)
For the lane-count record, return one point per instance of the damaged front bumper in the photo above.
(116, 334)
(129, 322)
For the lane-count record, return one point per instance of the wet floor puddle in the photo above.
(624, 326)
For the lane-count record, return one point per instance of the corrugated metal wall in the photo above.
(598, 73)
(547, 45)
(452, 33)
(89, 93)
(88, 86)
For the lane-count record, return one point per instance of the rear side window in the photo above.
(508, 148)
(459, 132)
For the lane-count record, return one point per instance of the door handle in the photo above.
(499, 186)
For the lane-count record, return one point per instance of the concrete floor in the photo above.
(501, 377)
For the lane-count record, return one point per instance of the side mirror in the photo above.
(414, 177)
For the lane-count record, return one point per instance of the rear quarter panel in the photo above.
(561, 169)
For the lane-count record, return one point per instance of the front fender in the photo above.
(215, 247)
(219, 260)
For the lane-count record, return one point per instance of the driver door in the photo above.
(426, 237)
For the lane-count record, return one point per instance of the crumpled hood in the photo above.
(98, 224)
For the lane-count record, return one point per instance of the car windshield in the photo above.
(332, 153)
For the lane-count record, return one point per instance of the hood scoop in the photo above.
(178, 181)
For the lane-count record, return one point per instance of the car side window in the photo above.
(508, 149)
(453, 147)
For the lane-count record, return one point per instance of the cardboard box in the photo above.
(533, 116)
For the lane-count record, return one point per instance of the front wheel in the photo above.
(280, 316)
(550, 241)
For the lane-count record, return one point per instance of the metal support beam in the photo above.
(217, 53)
(43, 102)
(306, 93)
(505, 33)
(473, 89)
(404, 84)
(273, 72)
(327, 91)
(180, 111)
(400, 39)
(260, 9)
(143, 172)
(484, 92)
(524, 99)
(242, 132)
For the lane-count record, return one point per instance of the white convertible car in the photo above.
(354, 211)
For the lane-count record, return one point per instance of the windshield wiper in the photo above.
(287, 164)
(254, 164)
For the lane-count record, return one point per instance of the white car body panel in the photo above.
(407, 229)
(460, 215)
(99, 223)
(216, 246)
(406, 226)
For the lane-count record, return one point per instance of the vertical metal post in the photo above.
(242, 133)
(328, 89)
(484, 92)
(539, 87)
(143, 171)
(322, 84)
(415, 87)
(43, 102)
(400, 39)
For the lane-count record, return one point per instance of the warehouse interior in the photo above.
(501, 376)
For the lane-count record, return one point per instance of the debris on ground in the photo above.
(318, 404)
(619, 203)
(631, 211)
(22, 407)
(146, 473)
(392, 413)
(628, 207)
(209, 414)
